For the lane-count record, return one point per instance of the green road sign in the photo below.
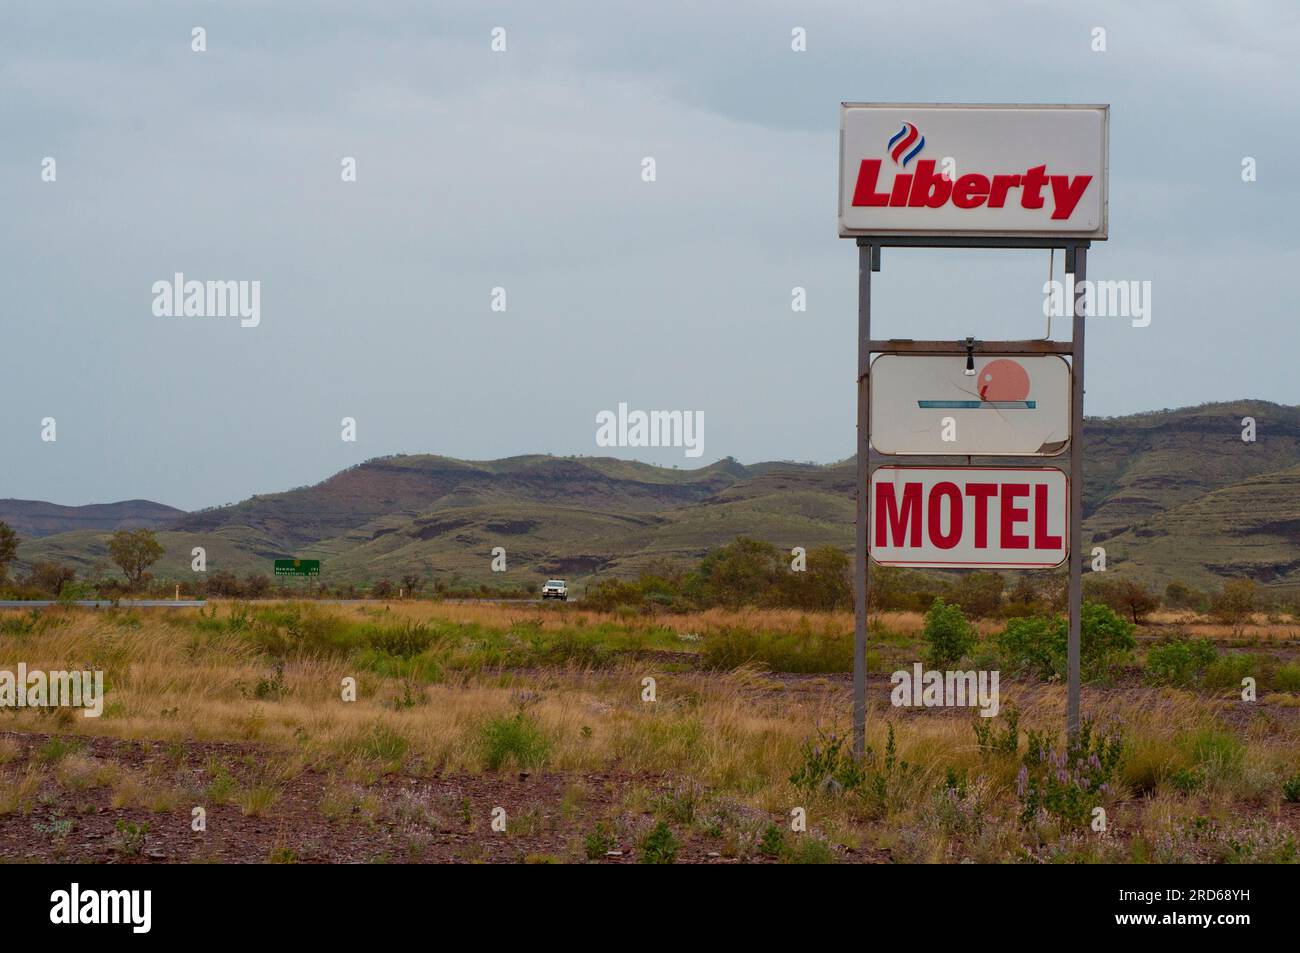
(297, 567)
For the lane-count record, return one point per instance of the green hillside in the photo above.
(1172, 494)
(1251, 529)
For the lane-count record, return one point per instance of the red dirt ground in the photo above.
(409, 819)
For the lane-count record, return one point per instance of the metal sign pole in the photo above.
(868, 258)
(869, 261)
(1076, 264)
(877, 214)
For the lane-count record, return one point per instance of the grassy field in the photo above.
(470, 718)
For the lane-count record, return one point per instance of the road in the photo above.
(199, 603)
(104, 603)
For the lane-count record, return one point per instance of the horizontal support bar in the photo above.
(970, 241)
(1060, 461)
(909, 346)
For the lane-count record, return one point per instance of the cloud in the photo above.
(522, 170)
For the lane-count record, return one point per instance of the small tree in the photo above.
(830, 578)
(887, 590)
(225, 584)
(743, 572)
(1179, 595)
(8, 549)
(1055, 591)
(382, 589)
(412, 583)
(1134, 599)
(50, 577)
(979, 593)
(256, 585)
(1024, 598)
(949, 634)
(1024, 592)
(1235, 603)
(134, 551)
(825, 584)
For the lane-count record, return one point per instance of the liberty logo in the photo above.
(902, 144)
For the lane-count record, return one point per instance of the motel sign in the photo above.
(967, 517)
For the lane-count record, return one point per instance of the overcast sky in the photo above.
(522, 170)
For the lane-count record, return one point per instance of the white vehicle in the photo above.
(556, 589)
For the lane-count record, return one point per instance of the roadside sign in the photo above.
(970, 176)
(973, 170)
(969, 517)
(1010, 406)
(297, 567)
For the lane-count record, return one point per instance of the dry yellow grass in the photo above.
(739, 734)
(552, 617)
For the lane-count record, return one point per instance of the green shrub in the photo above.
(56, 749)
(386, 746)
(1286, 678)
(1030, 645)
(1186, 780)
(600, 841)
(570, 646)
(1105, 640)
(991, 741)
(1235, 603)
(827, 765)
(131, 837)
(956, 781)
(425, 668)
(1067, 785)
(772, 842)
(294, 631)
(979, 593)
(887, 782)
(1178, 595)
(948, 633)
(825, 584)
(273, 688)
(1291, 788)
(1179, 661)
(608, 594)
(1227, 671)
(20, 624)
(804, 650)
(1039, 646)
(808, 850)
(515, 738)
(659, 846)
(826, 760)
(1216, 754)
(404, 641)
(1022, 610)
(72, 591)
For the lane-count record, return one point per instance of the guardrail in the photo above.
(104, 603)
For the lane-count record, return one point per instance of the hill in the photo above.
(33, 519)
(1172, 494)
